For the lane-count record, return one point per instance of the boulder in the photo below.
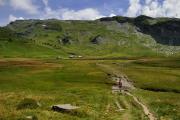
(97, 40)
(64, 107)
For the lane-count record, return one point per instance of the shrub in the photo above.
(28, 103)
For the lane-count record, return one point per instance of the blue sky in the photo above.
(11, 10)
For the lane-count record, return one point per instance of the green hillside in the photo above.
(114, 68)
(117, 37)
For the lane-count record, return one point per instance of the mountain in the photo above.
(163, 30)
(117, 36)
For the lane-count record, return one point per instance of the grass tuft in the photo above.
(28, 103)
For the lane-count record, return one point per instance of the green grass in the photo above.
(20, 49)
(82, 83)
(164, 105)
(79, 83)
(117, 41)
(34, 74)
(156, 76)
(157, 82)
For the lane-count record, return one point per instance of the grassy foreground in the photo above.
(78, 83)
(82, 83)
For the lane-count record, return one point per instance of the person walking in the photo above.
(120, 83)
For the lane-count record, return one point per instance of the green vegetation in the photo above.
(50, 62)
(27, 104)
(28, 83)
(90, 39)
(79, 83)
(158, 83)
(21, 49)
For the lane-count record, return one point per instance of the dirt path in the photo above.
(116, 76)
(144, 107)
(126, 85)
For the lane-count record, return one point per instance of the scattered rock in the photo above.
(75, 56)
(66, 40)
(72, 56)
(44, 25)
(97, 40)
(33, 117)
(80, 56)
(64, 107)
(59, 57)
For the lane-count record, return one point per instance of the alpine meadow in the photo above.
(110, 68)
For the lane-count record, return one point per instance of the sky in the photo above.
(11, 10)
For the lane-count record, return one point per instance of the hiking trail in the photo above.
(116, 76)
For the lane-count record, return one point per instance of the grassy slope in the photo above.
(17, 49)
(86, 87)
(118, 40)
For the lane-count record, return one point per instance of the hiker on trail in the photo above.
(120, 83)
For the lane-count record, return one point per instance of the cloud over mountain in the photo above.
(154, 8)
(26, 5)
(70, 14)
(14, 18)
(86, 10)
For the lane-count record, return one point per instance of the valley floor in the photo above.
(87, 84)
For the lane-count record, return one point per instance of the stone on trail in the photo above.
(64, 107)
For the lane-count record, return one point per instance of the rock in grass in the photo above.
(31, 117)
(28, 103)
(64, 108)
(97, 40)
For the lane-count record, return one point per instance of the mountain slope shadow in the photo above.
(165, 31)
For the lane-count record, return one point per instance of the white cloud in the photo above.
(45, 2)
(168, 8)
(112, 15)
(68, 14)
(14, 18)
(2, 2)
(148, 1)
(25, 5)
(84, 14)
(134, 8)
(48, 13)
